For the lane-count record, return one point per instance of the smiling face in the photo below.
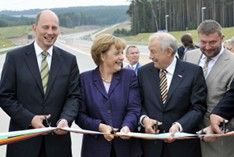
(210, 44)
(46, 29)
(161, 58)
(113, 59)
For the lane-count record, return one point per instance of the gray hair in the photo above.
(166, 41)
(209, 27)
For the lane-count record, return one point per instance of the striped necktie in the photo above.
(163, 85)
(205, 67)
(44, 70)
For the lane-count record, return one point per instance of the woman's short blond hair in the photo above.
(102, 44)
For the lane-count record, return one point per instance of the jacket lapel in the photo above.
(155, 80)
(219, 65)
(176, 79)
(31, 61)
(55, 66)
(115, 81)
(98, 83)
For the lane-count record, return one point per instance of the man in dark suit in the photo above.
(133, 55)
(178, 100)
(35, 86)
(223, 110)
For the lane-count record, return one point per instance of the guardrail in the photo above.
(2, 51)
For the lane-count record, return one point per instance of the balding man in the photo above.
(40, 81)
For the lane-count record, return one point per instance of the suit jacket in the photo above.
(218, 82)
(136, 69)
(22, 97)
(186, 104)
(181, 52)
(117, 108)
(225, 108)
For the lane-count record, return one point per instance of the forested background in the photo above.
(145, 15)
(151, 15)
(70, 17)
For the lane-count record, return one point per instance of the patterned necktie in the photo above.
(163, 85)
(44, 70)
(205, 67)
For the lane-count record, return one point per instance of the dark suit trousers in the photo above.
(42, 152)
(113, 153)
(165, 151)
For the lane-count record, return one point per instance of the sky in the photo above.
(46, 4)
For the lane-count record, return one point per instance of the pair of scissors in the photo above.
(114, 130)
(46, 122)
(223, 126)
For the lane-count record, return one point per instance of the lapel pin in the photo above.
(180, 76)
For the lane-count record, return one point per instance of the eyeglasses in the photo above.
(210, 43)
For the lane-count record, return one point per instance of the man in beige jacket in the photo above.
(217, 63)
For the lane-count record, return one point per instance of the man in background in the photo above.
(133, 55)
(187, 44)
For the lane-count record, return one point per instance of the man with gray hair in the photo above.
(173, 93)
(217, 65)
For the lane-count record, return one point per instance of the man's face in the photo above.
(210, 44)
(133, 55)
(161, 59)
(46, 30)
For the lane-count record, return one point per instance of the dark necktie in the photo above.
(163, 85)
(44, 70)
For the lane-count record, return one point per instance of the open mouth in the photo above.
(48, 38)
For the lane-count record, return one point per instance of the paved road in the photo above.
(85, 63)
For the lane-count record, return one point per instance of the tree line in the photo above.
(154, 15)
(70, 17)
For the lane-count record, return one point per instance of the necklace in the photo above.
(106, 81)
(103, 79)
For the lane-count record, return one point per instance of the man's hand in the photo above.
(37, 121)
(61, 124)
(151, 125)
(107, 130)
(174, 129)
(215, 121)
(207, 131)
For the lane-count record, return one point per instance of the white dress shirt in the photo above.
(211, 63)
(170, 72)
(38, 51)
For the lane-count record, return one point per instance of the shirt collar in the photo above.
(38, 50)
(171, 68)
(134, 66)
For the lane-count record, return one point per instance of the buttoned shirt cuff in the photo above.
(180, 126)
(141, 120)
